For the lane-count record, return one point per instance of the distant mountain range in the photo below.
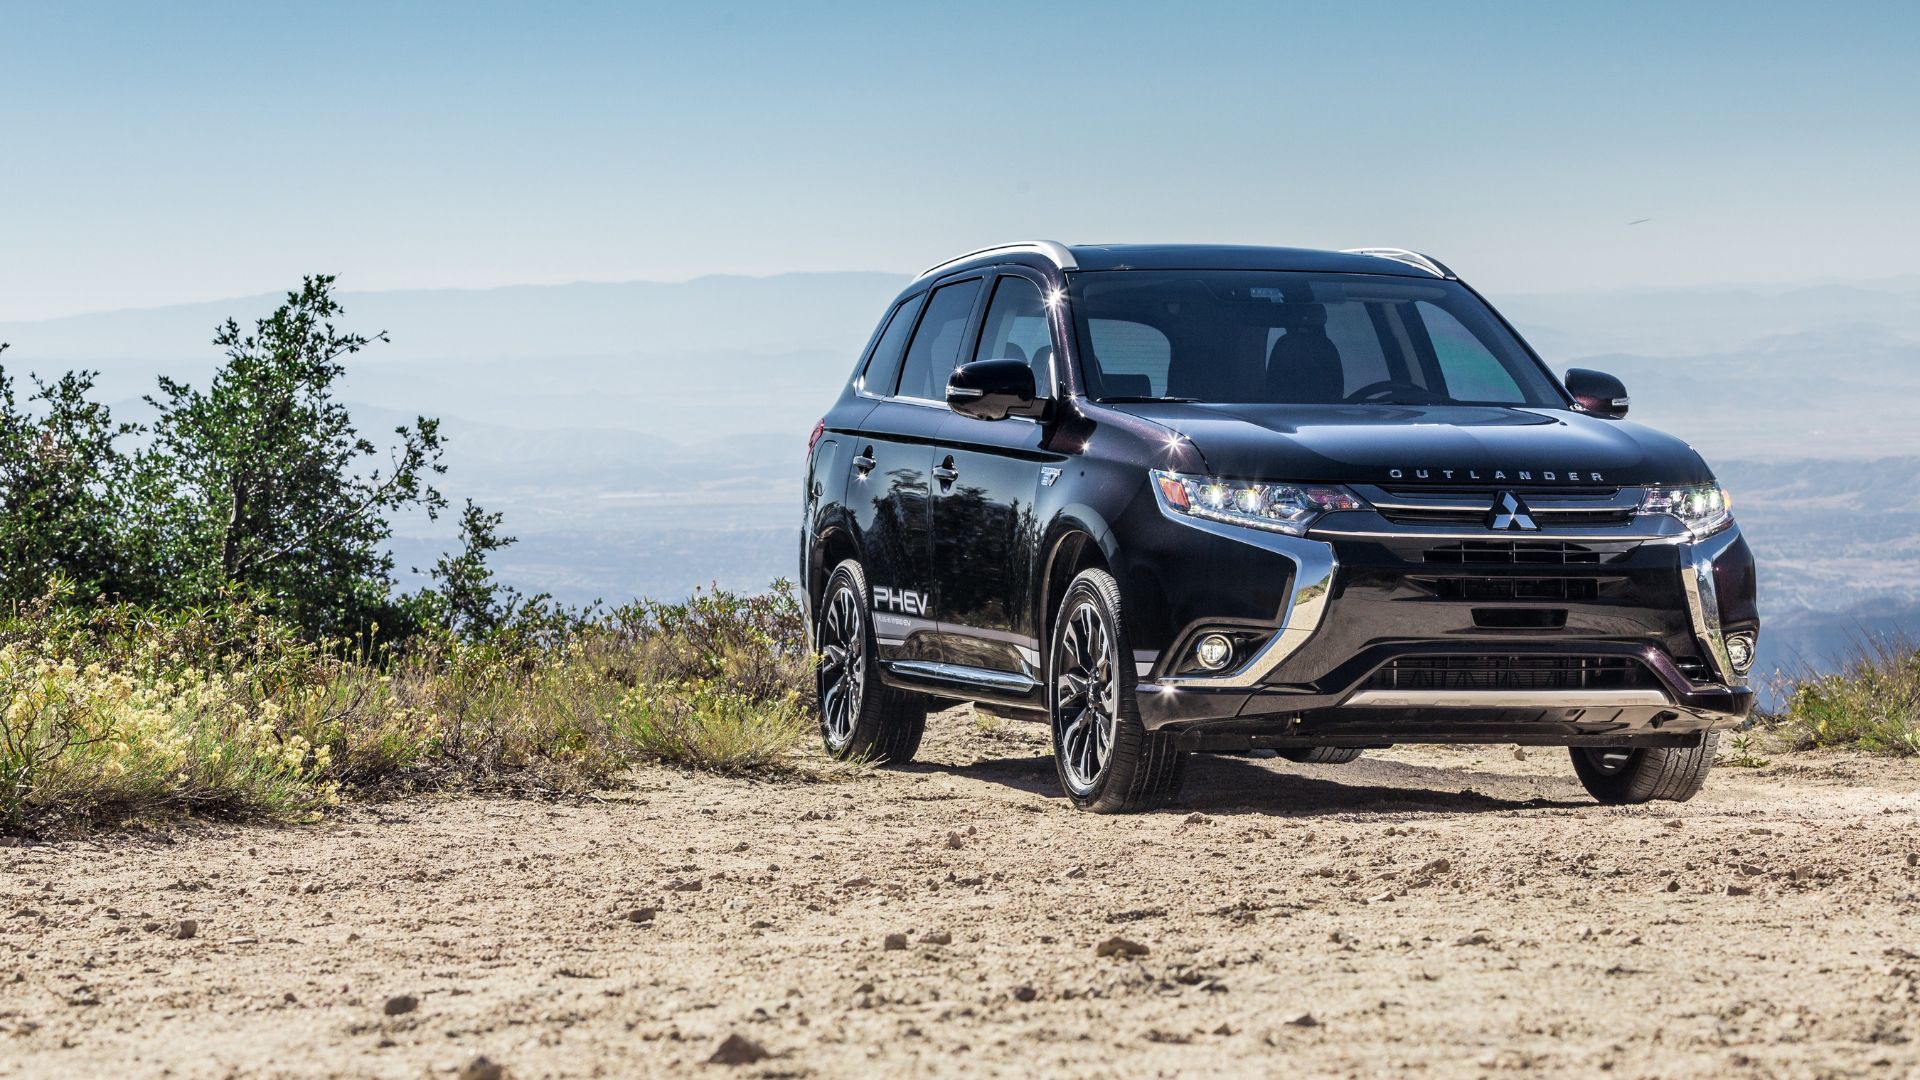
(646, 438)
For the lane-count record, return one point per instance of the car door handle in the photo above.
(946, 474)
(863, 463)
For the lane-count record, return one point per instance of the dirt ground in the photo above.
(1429, 911)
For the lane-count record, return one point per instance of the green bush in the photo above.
(1873, 704)
(113, 712)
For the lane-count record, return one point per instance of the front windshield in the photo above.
(1267, 337)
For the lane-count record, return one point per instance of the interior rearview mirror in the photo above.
(994, 390)
(1598, 392)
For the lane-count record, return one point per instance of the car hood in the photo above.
(1437, 444)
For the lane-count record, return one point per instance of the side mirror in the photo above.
(1598, 392)
(993, 390)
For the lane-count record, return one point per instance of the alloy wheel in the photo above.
(1086, 689)
(842, 675)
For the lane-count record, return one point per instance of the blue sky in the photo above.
(165, 153)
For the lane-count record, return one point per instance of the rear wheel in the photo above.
(1322, 755)
(1107, 760)
(860, 716)
(1622, 774)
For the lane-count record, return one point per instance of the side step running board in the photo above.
(1001, 684)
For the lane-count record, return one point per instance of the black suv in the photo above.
(1201, 498)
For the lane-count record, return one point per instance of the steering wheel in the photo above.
(1378, 391)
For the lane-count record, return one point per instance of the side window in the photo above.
(884, 365)
(936, 345)
(1472, 373)
(1132, 358)
(1016, 328)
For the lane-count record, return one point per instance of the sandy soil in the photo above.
(1430, 911)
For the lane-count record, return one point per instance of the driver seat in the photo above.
(1304, 369)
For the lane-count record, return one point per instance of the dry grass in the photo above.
(111, 712)
(1872, 704)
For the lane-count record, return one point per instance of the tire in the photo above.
(1322, 755)
(1107, 761)
(1620, 776)
(860, 716)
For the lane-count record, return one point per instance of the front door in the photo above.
(986, 479)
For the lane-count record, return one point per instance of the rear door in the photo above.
(986, 479)
(892, 457)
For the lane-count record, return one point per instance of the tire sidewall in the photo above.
(1086, 589)
(847, 576)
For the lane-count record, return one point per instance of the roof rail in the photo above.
(1404, 257)
(1055, 253)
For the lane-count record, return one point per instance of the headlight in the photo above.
(1287, 508)
(1704, 509)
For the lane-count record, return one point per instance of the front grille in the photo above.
(1513, 673)
(1571, 514)
(1514, 552)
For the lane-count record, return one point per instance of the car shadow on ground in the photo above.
(1227, 784)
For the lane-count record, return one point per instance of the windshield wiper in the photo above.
(1143, 399)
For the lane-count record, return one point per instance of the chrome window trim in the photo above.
(1314, 568)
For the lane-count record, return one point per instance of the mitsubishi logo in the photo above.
(1509, 514)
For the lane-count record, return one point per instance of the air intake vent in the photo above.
(1513, 673)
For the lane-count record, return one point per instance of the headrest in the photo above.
(1126, 386)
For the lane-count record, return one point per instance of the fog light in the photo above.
(1215, 651)
(1740, 653)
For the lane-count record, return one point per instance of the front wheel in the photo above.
(1107, 760)
(1620, 775)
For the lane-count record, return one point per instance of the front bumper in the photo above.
(1551, 636)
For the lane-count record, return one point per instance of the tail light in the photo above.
(813, 440)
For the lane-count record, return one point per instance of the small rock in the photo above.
(894, 941)
(1671, 823)
(738, 1050)
(1478, 937)
(1077, 872)
(1197, 818)
(956, 841)
(687, 885)
(400, 1005)
(1301, 1019)
(1751, 870)
(1913, 858)
(313, 888)
(1119, 946)
(938, 937)
(186, 928)
(1673, 884)
(1437, 866)
(860, 882)
(1223, 1029)
(1024, 993)
(481, 1068)
(1519, 753)
(1739, 890)
(642, 914)
(760, 924)
(1382, 898)
(864, 988)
